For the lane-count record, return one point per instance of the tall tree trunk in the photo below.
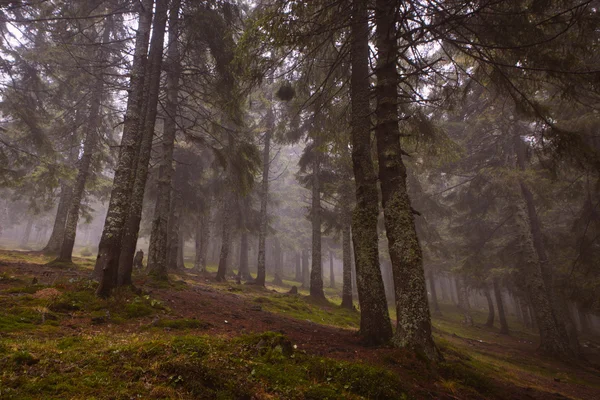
(305, 269)
(135, 148)
(583, 321)
(261, 271)
(297, 267)
(490, 304)
(132, 225)
(331, 272)
(244, 268)
(109, 248)
(552, 341)
(58, 230)
(180, 248)
(89, 149)
(157, 252)
(277, 280)
(375, 325)
(346, 265)
(225, 238)
(202, 238)
(413, 327)
(561, 316)
(434, 298)
(463, 301)
(316, 270)
(26, 233)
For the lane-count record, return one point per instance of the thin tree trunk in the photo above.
(277, 280)
(305, 269)
(244, 269)
(58, 230)
(225, 239)
(490, 304)
(346, 265)
(180, 248)
(109, 247)
(298, 267)
(413, 327)
(316, 271)
(463, 301)
(331, 273)
(261, 271)
(434, 298)
(157, 252)
(26, 233)
(202, 238)
(85, 162)
(375, 325)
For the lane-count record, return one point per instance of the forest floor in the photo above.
(194, 338)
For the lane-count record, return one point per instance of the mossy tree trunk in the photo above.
(123, 221)
(413, 327)
(109, 247)
(375, 325)
(157, 251)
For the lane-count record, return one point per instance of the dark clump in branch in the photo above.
(285, 92)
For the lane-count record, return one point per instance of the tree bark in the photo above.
(134, 217)
(85, 162)
(413, 327)
(109, 248)
(173, 231)
(346, 266)
(58, 230)
(375, 325)
(157, 252)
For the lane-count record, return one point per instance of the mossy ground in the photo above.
(58, 340)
